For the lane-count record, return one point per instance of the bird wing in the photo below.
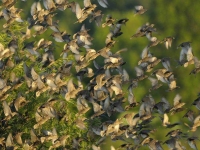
(139, 7)
(167, 44)
(70, 85)
(166, 119)
(166, 103)
(177, 99)
(172, 85)
(103, 3)
(139, 72)
(87, 3)
(145, 52)
(196, 62)
(153, 81)
(197, 119)
(78, 11)
(190, 54)
(33, 8)
(34, 74)
(182, 55)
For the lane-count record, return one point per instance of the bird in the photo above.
(163, 106)
(190, 115)
(144, 30)
(72, 91)
(140, 74)
(82, 14)
(192, 142)
(196, 123)
(197, 66)
(153, 42)
(110, 21)
(154, 83)
(139, 10)
(168, 41)
(186, 54)
(97, 17)
(166, 123)
(177, 105)
(162, 74)
(166, 63)
(196, 102)
(172, 84)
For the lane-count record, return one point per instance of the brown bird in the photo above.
(177, 105)
(196, 124)
(166, 123)
(139, 10)
(153, 42)
(168, 41)
(145, 30)
(140, 74)
(109, 21)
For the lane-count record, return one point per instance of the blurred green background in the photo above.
(171, 18)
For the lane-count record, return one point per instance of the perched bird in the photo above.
(7, 111)
(18, 138)
(9, 142)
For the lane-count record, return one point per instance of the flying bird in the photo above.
(168, 41)
(139, 10)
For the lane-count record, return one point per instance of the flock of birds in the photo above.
(103, 93)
